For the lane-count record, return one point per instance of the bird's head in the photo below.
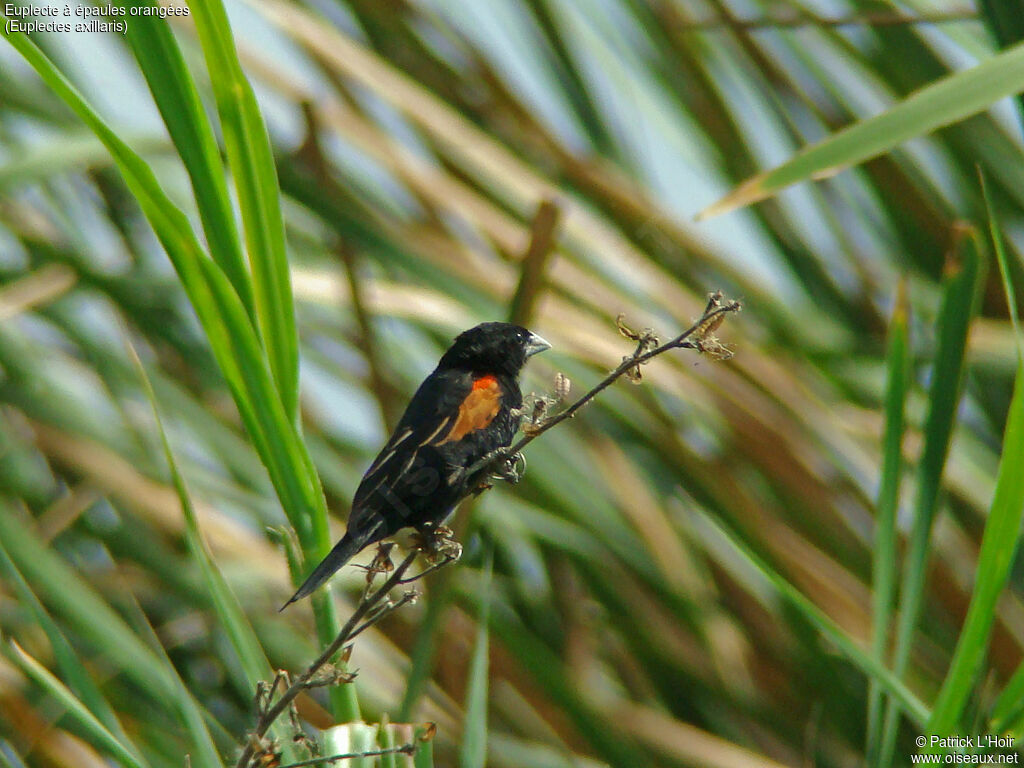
(493, 348)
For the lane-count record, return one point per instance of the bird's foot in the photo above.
(502, 466)
(511, 470)
(437, 542)
(505, 467)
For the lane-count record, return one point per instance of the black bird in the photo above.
(469, 407)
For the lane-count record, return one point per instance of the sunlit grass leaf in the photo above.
(938, 104)
(252, 165)
(92, 619)
(229, 612)
(352, 738)
(69, 664)
(176, 97)
(232, 339)
(998, 549)
(90, 726)
(999, 542)
(386, 740)
(875, 670)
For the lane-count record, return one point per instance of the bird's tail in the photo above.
(343, 551)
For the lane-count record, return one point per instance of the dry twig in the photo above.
(373, 607)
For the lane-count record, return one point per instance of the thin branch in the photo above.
(385, 610)
(353, 626)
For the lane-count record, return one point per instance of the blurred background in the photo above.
(447, 162)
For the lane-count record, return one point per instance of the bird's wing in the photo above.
(447, 408)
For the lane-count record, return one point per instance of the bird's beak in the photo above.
(536, 344)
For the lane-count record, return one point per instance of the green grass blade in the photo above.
(241, 635)
(176, 97)
(287, 458)
(424, 757)
(1008, 711)
(245, 371)
(386, 740)
(473, 750)
(867, 663)
(103, 629)
(175, 235)
(1006, 20)
(1004, 263)
(998, 550)
(291, 469)
(252, 164)
(1009, 706)
(1008, 716)
(96, 733)
(354, 738)
(962, 279)
(898, 365)
(68, 663)
(233, 341)
(938, 104)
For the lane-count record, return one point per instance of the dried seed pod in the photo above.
(713, 348)
(709, 326)
(624, 329)
(563, 384)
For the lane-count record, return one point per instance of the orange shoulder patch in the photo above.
(477, 410)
